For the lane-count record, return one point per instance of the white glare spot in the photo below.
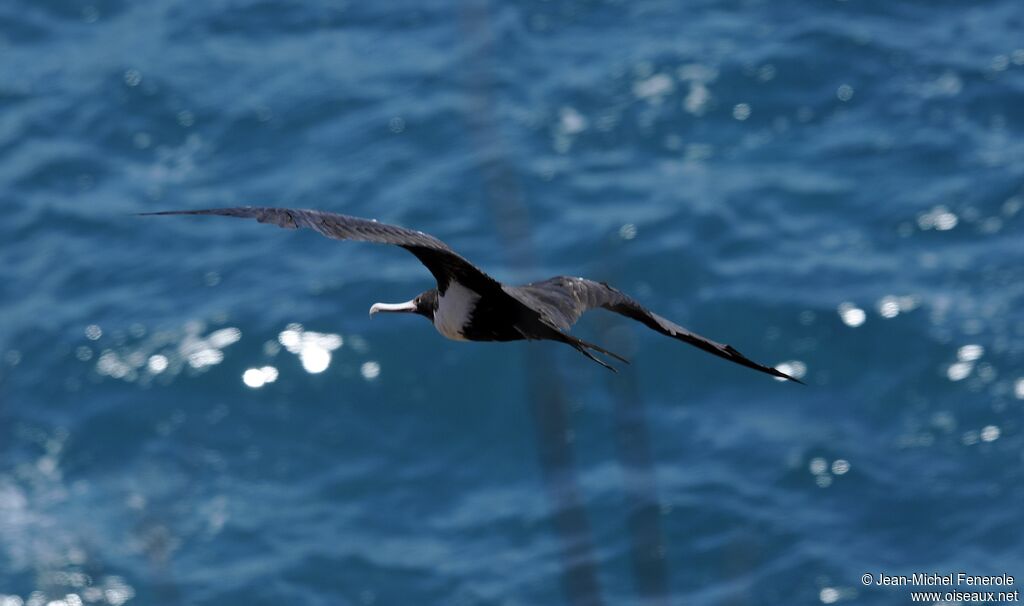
(697, 99)
(258, 377)
(118, 593)
(313, 348)
(851, 314)
(940, 218)
(1018, 388)
(205, 357)
(945, 221)
(627, 231)
(220, 339)
(818, 466)
(157, 364)
(889, 307)
(93, 332)
(989, 433)
(200, 351)
(840, 466)
(741, 111)
(370, 370)
(111, 365)
(571, 122)
(254, 378)
(829, 595)
(327, 341)
(291, 337)
(959, 371)
(315, 359)
(132, 77)
(658, 85)
(969, 353)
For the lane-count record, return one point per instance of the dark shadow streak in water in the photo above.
(633, 446)
(549, 408)
(547, 396)
(548, 403)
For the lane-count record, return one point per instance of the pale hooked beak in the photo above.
(407, 307)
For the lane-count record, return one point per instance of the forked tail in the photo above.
(584, 348)
(545, 331)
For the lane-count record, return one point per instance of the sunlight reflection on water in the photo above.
(258, 377)
(313, 348)
(33, 535)
(851, 315)
(161, 352)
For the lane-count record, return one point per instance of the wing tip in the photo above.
(775, 372)
(736, 356)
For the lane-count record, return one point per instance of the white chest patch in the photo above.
(453, 310)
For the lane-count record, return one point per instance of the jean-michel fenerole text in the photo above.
(955, 579)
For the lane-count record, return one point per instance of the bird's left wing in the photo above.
(562, 300)
(444, 263)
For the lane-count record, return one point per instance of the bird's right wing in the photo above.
(444, 263)
(562, 300)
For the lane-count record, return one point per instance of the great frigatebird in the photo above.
(469, 305)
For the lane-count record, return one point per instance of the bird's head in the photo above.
(424, 304)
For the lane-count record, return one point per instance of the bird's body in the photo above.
(469, 305)
(454, 314)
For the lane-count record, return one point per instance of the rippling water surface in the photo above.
(199, 411)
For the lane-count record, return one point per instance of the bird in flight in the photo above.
(469, 305)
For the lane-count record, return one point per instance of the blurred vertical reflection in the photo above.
(633, 445)
(548, 403)
(549, 408)
(547, 398)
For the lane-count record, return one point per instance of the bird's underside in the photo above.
(470, 305)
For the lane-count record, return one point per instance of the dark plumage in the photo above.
(470, 305)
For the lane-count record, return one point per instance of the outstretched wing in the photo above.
(444, 263)
(562, 300)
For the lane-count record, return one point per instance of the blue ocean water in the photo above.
(200, 411)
